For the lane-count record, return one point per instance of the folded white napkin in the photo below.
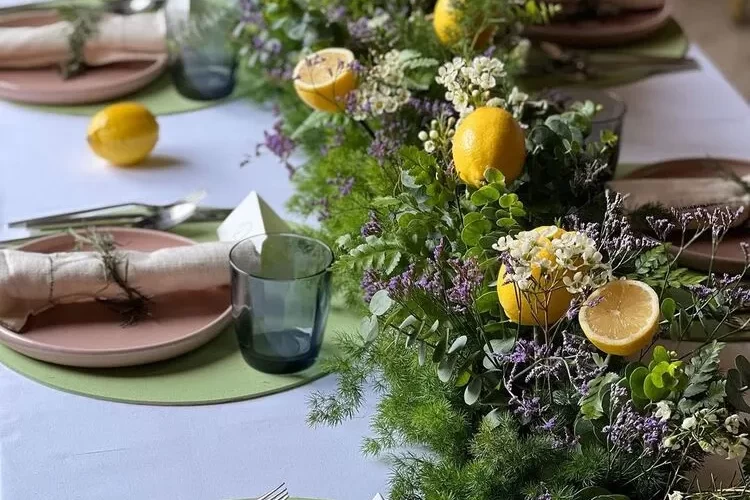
(33, 282)
(118, 38)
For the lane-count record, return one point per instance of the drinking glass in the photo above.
(202, 55)
(611, 116)
(280, 300)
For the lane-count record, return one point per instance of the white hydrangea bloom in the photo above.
(576, 261)
(384, 89)
(468, 83)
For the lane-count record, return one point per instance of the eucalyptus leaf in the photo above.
(368, 328)
(473, 391)
(445, 368)
(493, 418)
(458, 344)
(380, 303)
(408, 322)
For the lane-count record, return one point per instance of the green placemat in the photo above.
(213, 373)
(161, 97)
(670, 41)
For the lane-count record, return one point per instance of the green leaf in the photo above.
(315, 120)
(506, 222)
(668, 307)
(474, 231)
(445, 368)
(368, 328)
(486, 302)
(380, 303)
(473, 391)
(494, 176)
(471, 217)
(653, 392)
(408, 322)
(463, 378)
(458, 344)
(493, 418)
(488, 213)
(636, 380)
(422, 353)
(508, 200)
(592, 405)
(590, 493)
(484, 195)
(385, 201)
(408, 181)
(502, 346)
(517, 212)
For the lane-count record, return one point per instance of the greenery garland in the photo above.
(478, 398)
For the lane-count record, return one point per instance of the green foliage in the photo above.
(655, 268)
(593, 404)
(737, 383)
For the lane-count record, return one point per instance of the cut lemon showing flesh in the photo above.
(621, 317)
(323, 79)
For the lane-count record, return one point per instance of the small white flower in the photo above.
(429, 146)
(675, 495)
(732, 424)
(670, 442)
(434, 134)
(663, 411)
(689, 423)
(422, 136)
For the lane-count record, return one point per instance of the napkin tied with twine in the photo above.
(33, 282)
(137, 37)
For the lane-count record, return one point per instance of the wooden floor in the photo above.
(709, 24)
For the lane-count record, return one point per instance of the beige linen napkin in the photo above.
(136, 37)
(33, 282)
(684, 193)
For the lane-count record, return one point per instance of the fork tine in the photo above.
(282, 495)
(271, 494)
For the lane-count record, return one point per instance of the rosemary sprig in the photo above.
(84, 22)
(135, 306)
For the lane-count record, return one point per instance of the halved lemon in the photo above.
(323, 79)
(622, 317)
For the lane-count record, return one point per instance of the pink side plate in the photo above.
(729, 255)
(595, 33)
(89, 334)
(46, 86)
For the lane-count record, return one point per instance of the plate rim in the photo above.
(18, 338)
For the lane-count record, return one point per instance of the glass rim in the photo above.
(324, 269)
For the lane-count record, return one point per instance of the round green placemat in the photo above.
(669, 41)
(161, 97)
(213, 373)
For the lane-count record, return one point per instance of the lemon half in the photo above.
(323, 79)
(622, 317)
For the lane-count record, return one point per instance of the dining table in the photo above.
(59, 445)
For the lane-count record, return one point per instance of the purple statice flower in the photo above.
(336, 13)
(467, 278)
(388, 140)
(371, 284)
(360, 30)
(549, 425)
(372, 227)
(344, 184)
(279, 144)
(323, 209)
(527, 408)
(580, 357)
(402, 283)
(631, 431)
(252, 13)
(617, 240)
(430, 109)
(544, 496)
(661, 227)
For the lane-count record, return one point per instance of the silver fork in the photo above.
(280, 493)
(103, 214)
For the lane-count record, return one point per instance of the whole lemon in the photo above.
(323, 79)
(124, 133)
(547, 300)
(446, 23)
(488, 138)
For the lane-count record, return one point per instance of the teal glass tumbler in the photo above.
(281, 288)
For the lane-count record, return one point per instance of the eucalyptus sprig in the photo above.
(84, 22)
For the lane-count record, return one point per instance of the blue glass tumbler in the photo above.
(280, 300)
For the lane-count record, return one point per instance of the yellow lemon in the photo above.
(323, 79)
(547, 300)
(123, 133)
(621, 317)
(488, 138)
(446, 24)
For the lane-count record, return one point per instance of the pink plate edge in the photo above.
(92, 358)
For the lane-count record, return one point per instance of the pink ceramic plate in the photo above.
(729, 255)
(46, 86)
(617, 30)
(91, 335)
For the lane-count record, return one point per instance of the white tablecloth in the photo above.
(57, 445)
